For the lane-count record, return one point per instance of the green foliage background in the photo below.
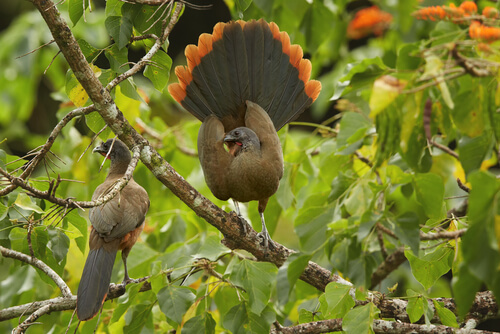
(329, 201)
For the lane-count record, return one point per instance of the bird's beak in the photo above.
(229, 138)
(100, 149)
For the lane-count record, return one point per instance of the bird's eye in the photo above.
(236, 133)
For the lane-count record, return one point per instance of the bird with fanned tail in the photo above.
(244, 82)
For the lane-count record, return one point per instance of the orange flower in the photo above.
(481, 32)
(453, 12)
(469, 7)
(490, 12)
(432, 13)
(367, 21)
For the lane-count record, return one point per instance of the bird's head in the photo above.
(241, 139)
(117, 150)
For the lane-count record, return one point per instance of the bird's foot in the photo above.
(243, 224)
(266, 240)
(128, 280)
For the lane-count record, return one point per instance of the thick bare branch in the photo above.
(442, 235)
(379, 326)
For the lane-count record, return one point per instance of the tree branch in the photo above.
(228, 223)
(68, 202)
(46, 147)
(391, 263)
(379, 326)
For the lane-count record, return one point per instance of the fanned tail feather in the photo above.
(243, 61)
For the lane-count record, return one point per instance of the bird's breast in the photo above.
(253, 178)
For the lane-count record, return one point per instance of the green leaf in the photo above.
(288, 274)
(472, 151)
(174, 301)
(256, 278)
(76, 8)
(120, 28)
(359, 198)
(23, 201)
(318, 24)
(416, 305)
(117, 58)
(240, 320)
(305, 316)
(39, 240)
(3, 211)
(59, 244)
(469, 115)
(88, 50)
(242, 5)
(212, 249)
(360, 319)
(407, 229)
(447, 317)
(362, 74)
(429, 268)
(114, 7)
(143, 17)
(96, 123)
(465, 286)
(139, 314)
(338, 298)
(131, 291)
(74, 218)
(480, 243)
(429, 189)
(311, 225)
(340, 185)
(409, 58)
(264, 5)
(159, 71)
(353, 127)
(202, 323)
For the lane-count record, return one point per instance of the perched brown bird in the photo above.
(244, 82)
(116, 225)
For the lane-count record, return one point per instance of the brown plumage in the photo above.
(116, 225)
(244, 82)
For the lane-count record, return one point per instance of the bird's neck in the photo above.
(118, 168)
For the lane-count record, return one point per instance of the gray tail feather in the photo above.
(246, 64)
(94, 283)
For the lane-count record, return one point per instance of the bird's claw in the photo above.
(129, 280)
(266, 240)
(243, 224)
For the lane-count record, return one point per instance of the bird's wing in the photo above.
(259, 121)
(124, 213)
(214, 159)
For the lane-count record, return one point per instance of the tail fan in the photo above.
(245, 61)
(94, 283)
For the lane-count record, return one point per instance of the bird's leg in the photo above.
(266, 238)
(126, 278)
(242, 220)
